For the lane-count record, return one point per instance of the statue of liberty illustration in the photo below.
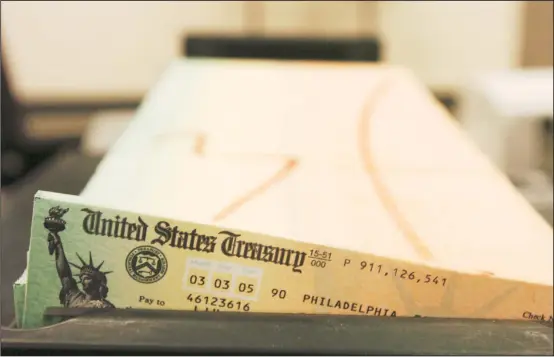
(93, 281)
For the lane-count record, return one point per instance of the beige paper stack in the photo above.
(355, 157)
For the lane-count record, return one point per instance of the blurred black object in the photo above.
(20, 154)
(67, 171)
(283, 48)
(547, 126)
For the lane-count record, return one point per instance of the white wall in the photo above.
(72, 50)
(316, 18)
(445, 42)
(118, 49)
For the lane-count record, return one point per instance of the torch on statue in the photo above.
(92, 280)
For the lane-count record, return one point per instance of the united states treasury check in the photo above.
(83, 255)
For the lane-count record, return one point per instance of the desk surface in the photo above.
(519, 93)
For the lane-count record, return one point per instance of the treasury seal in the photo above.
(146, 264)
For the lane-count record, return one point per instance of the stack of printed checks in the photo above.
(291, 187)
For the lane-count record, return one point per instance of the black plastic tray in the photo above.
(192, 333)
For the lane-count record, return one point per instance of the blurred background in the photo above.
(73, 73)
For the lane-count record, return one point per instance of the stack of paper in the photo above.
(293, 187)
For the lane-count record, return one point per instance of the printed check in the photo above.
(83, 255)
